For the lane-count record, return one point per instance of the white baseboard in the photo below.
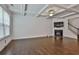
(30, 37)
(39, 37)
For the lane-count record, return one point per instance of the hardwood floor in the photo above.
(42, 46)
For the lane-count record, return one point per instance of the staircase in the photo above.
(74, 27)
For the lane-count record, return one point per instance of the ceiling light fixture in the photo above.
(51, 12)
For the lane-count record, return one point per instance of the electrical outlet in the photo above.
(5, 41)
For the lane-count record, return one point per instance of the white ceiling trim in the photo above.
(73, 16)
(45, 7)
(69, 8)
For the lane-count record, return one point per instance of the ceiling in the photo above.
(28, 9)
(60, 10)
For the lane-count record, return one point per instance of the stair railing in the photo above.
(73, 28)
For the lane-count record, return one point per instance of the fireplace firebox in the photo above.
(58, 34)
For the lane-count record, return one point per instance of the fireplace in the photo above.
(58, 34)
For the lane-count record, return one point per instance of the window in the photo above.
(4, 23)
(1, 24)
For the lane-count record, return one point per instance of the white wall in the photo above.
(29, 26)
(4, 42)
(66, 31)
